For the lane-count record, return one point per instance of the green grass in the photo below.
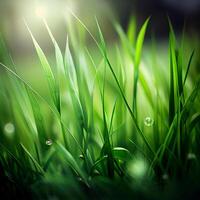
(120, 126)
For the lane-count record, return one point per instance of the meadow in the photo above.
(111, 120)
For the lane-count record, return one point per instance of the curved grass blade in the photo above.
(32, 159)
(59, 64)
(121, 90)
(98, 162)
(137, 59)
(195, 121)
(54, 90)
(107, 149)
(70, 160)
(188, 67)
(49, 159)
(172, 82)
(131, 32)
(51, 107)
(124, 40)
(121, 153)
(183, 117)
(37, 115)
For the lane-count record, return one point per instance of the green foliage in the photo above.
(85, 135)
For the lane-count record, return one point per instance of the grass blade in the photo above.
(54, 91)
(33, 159)
(137, 59)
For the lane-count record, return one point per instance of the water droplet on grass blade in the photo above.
(81, 157)
(49, 142)
(148, 121)
(9, 129)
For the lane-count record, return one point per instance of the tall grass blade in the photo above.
(54, 90)
(33, 159)
(121, 90)
(137, 59)
(188, 67)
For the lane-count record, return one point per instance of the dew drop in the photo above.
(49, 142)
(9, 129)
(148, 121)
(81, 157)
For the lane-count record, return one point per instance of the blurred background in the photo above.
(13, 14)
(179, 11)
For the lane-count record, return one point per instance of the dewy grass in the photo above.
(104, 123)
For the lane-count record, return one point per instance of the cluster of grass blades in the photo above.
(106, 125)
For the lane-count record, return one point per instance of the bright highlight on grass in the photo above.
(49, 142)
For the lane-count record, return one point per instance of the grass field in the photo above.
(102, 121)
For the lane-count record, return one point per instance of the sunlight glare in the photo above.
(40, 11)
